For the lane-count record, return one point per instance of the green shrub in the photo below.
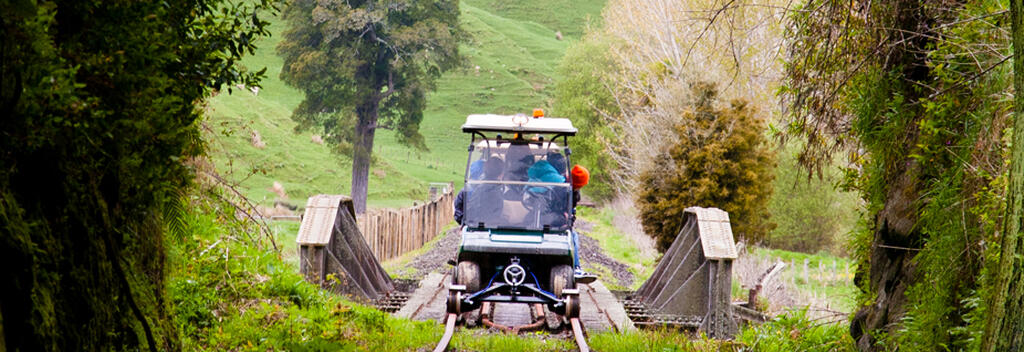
(811, 213)
(795, 332)
(719, 160)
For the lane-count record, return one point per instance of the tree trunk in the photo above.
(362, 149)
(1004, 330)
(890, 270)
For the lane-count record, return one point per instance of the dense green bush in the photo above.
(719, 160)
(583, 95)
(811, 213)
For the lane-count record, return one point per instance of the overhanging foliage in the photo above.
(100, 110)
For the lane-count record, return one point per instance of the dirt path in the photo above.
(436, 258)
(593, 258)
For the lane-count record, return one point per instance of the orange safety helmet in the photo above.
(580, 177)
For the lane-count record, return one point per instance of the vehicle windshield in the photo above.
(518, 184)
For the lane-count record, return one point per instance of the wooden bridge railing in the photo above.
(393, 232)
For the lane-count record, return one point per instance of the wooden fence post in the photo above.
(807, 272)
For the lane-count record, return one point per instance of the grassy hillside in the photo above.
(511, 52)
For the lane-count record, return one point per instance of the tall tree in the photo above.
(99, 104)
(365, 65)
(1005, 327)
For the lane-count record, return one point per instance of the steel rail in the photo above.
(440, 287)
(603, 312)
(577, 333)
(449, 330)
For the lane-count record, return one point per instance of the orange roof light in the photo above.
(538, 113)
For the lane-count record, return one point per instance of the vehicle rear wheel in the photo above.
(468, 273)
(561, 278)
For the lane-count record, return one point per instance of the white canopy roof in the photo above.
(518, 123)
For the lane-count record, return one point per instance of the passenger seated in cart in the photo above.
(482, 192)
(549, 205)
(554, 170)
(518, 158)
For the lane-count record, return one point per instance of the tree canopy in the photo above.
(100, 104)
(365, 65)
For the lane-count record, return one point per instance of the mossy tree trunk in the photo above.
(1005, 328)
(897, 238)
(899, 85)
(97, 113)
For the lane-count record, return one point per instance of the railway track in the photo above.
(428, 302)
(392, 302)
(689, 290)
(578, 332)
(597, 311)
(642, 317)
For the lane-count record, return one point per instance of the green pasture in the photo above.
(511, 53)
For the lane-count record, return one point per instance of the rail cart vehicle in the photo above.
(517, 231)
(517, 241)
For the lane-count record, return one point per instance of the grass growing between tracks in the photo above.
(477, 340)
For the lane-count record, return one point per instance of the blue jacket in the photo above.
(542, 171)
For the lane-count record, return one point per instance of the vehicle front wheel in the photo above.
(468, 273)
(561, 278)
